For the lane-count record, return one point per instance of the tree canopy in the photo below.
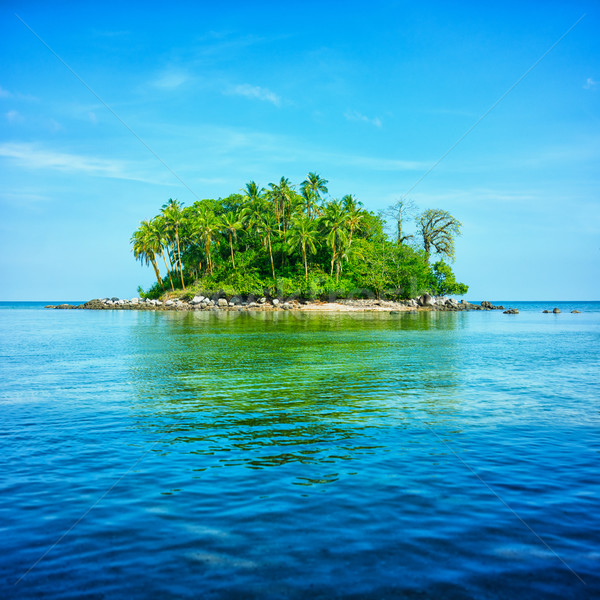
(280, 240)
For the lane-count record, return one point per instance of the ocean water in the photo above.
(287, 455)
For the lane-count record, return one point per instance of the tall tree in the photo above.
(173, 214)
(354, 215)
(252, 192)
(207, 226)
(334, 221)
(303, 235)
(159, 234)
(145, 247)
(401, 212)
(438, 229)
(266, 227)
(312, 187)
(231, 223)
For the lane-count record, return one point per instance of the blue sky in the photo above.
(369, 95)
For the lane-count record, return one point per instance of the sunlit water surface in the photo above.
(280, 455)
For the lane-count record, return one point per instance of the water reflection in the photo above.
(267, 390)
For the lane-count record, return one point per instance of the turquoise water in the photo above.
(285, 455)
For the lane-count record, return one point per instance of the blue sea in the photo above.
(294, 455)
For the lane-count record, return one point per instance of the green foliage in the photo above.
(293, 243)
(444, 282)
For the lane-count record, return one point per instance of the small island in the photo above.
(292, 244)
(283, 248)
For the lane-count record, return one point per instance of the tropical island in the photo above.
(287, 249)
(293, 243)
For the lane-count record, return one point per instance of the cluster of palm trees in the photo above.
(294, 225)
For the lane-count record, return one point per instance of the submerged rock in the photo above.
(575, 311)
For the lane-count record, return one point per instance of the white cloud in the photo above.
(4, 93)
(14, 116)
(590, 83)
(171, 79)
(353, 115)
(32, 156)
(254, 91)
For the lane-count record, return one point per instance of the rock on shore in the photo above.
(236, 303)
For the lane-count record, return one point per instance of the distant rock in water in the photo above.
(546, 311)
(487, 305)
(556, 311)
(575, 311)
(512, 311)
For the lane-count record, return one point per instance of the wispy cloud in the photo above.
(4, 93)
(354, 115)
(23, 198)
(171, 79)
(590, 83)
(14, 116)
(32, 156)
(256, 92)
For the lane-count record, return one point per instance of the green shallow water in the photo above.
(291, 455)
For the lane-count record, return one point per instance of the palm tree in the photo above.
(174, 219)
(251, 215)
(303, 234)
(334, 220)
(231, 223)
(144, 248)
(355, 215)
(265, 225)
(160, 239)
(252, 192)
(207, 225)
(312, 187)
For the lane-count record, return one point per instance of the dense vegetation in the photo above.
(295, 244)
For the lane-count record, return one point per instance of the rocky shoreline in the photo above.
(426, 302)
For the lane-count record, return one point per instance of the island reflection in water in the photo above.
(265, 389)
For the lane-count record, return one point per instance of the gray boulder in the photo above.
(426, 300)
(222, 302)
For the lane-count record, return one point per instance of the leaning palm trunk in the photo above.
(332, 260)
(179, 259)
(271, 255)
(167, 267)
(156, 271)
(305, 262)
(231, 247)
(209, 263)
